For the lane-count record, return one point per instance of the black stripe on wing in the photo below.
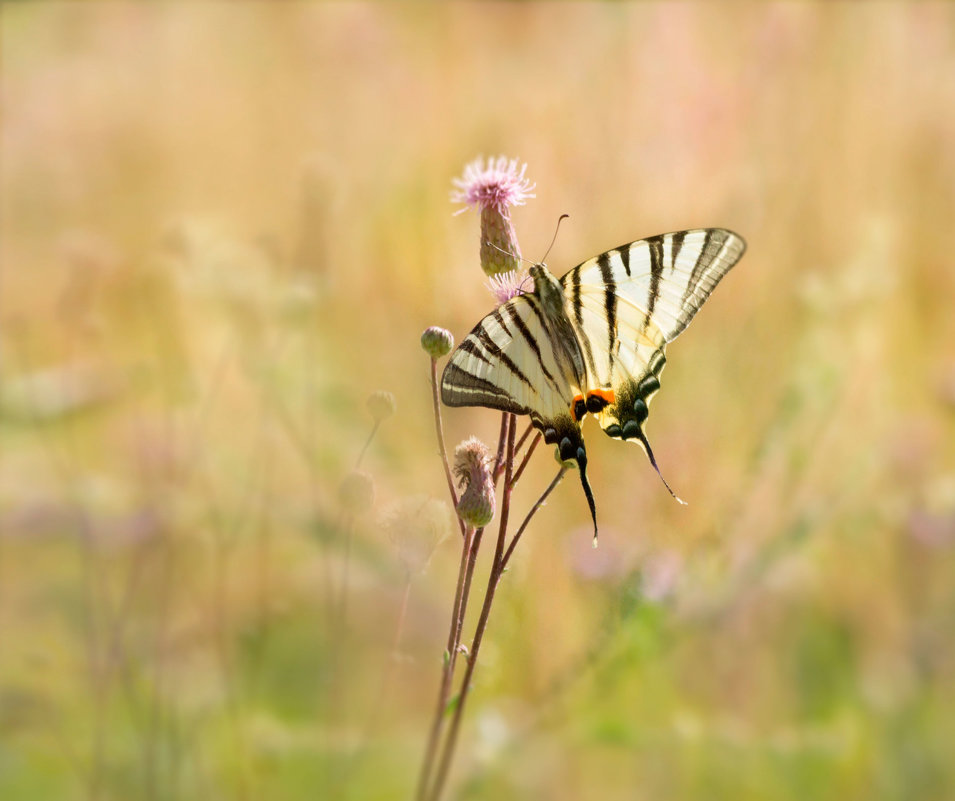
(655, 243)
(495, 351)
(676, 245)
(511, 311)
(610, 304)
(461, 388)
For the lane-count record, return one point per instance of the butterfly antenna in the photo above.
(507, 253)
(582, 465)
(552, 241)
(653, 461)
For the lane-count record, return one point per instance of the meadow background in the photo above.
(224, 226)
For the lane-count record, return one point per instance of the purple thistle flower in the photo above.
(505, 286)
(495, 186)
(498, 185)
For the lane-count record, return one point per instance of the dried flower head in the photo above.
(495, 187)
(437, 342)
(357, 492)
(416, 526)
(472, 469)
(381, 405)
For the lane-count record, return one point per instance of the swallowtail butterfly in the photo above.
(591, 342)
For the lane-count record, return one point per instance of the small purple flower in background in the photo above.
(495, 186)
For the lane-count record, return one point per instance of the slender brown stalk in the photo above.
(523, 439)
(371, 436)
(531, 513)
(499, 464)
(447, 670)
(527, 457)
(439, 428)
(496, 567)
(501, 441)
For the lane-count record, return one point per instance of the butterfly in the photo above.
(591, 342)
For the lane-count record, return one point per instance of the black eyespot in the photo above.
(595, 403)
(649, 385)
(566, 448)
(640, 409)
(631, 429)
(580, 409)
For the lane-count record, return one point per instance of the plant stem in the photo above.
(527, 457)
(496, 567)
(371, 436)
(531, 513)
(447, 670)
(440, 431)
(501, 440)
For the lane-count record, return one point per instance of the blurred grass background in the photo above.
(224, 226)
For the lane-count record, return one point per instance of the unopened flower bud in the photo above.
(437, 342)
(357, 492)
(476, 505)
(381, 405)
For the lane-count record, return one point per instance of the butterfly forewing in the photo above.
(665, 277)
(508, 362)
(630, 301)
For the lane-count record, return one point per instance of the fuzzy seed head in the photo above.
(437, 342)
(357, 492)
(416, 526)
(472, 462)
(381, 405)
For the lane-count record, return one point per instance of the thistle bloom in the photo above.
(471, 467)
(506, 285)
(495, 187)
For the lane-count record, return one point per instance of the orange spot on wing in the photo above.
(573, 407)
(606, 394)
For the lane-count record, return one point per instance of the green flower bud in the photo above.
(437, 342)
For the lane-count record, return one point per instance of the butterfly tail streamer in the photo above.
(643, 439)
(585, 483)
